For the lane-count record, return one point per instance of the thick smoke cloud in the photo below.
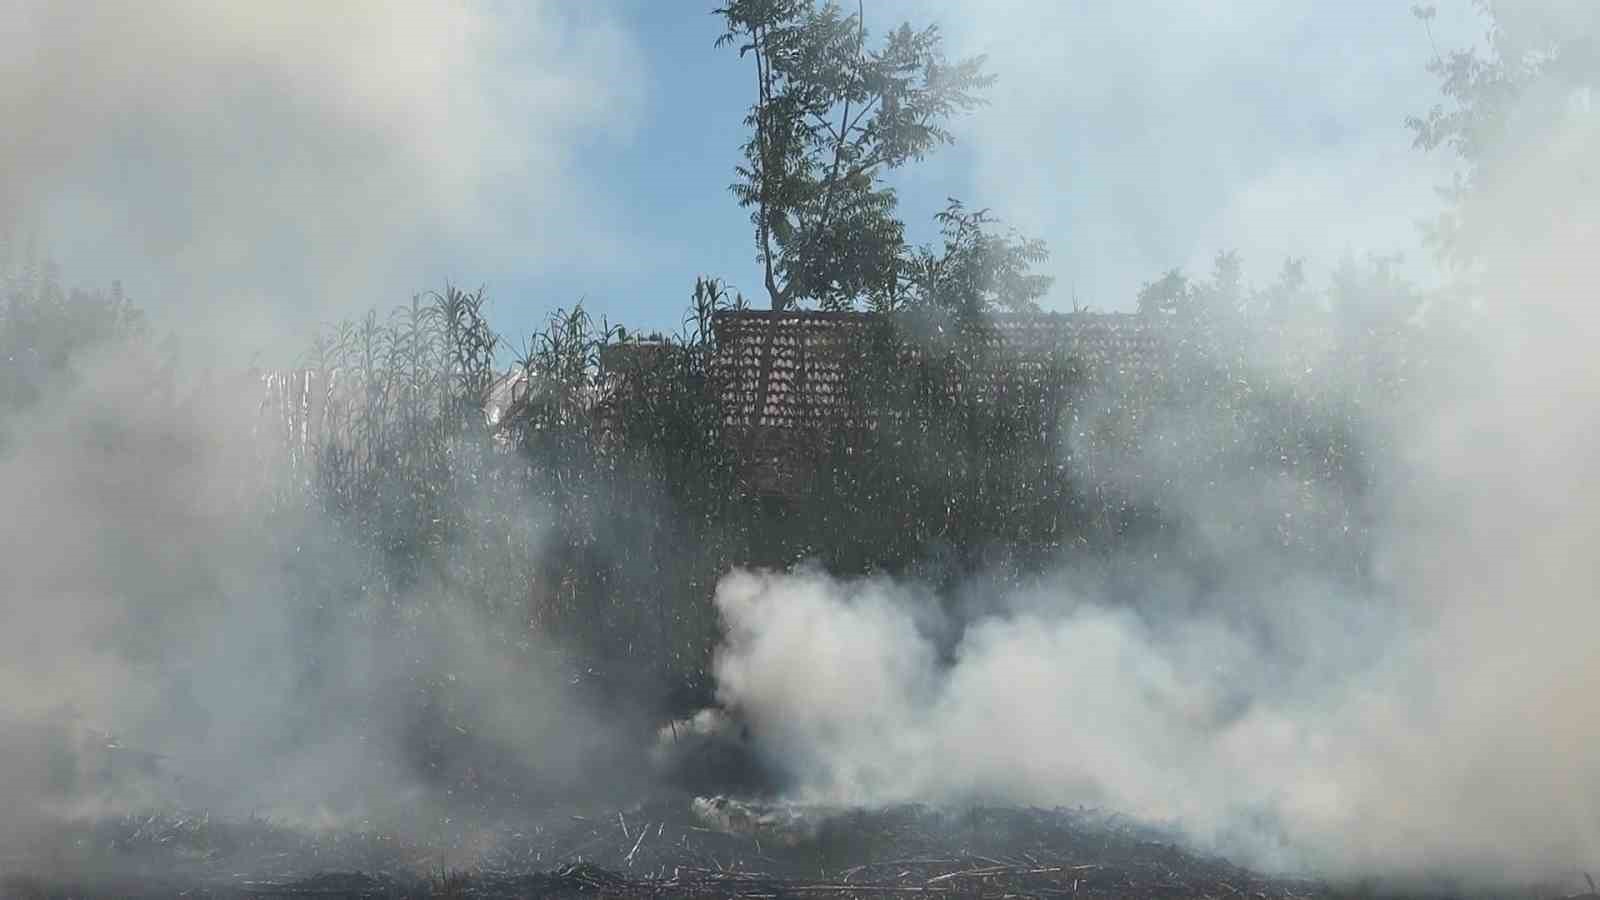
(1135, 137)
(1434, 717)
(258, 169)
(251, 171)
(1443, 727)
(163, 588)
(1437, 717)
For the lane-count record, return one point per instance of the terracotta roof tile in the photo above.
(814, 354)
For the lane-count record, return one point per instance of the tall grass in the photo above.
(591, 516)
(604, 503)
(586, 513)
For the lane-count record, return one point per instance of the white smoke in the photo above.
(1448, 722)
(254, 170)
(1137, 136)
(162, 588)
(1437, 718)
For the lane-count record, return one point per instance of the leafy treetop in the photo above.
(830, 119)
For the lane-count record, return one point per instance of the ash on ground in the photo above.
(667, 846)
(670, 842)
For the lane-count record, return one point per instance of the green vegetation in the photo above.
(600, 509)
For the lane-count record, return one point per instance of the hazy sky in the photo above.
(274, 165)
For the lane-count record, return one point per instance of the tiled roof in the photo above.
(815, 357)
(815, 353)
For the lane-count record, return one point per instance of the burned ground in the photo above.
(655, 848)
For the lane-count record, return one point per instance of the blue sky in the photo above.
(253, 170)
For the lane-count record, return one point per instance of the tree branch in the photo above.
(839, 144)
(764, 175)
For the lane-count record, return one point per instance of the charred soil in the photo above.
(666, 847)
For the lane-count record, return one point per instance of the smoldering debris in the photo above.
(712, 752)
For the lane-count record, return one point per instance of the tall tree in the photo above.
(1521, 116)
(830, 119)
(1171, 294)
(978, 270)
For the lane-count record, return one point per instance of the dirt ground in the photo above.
(665, 847)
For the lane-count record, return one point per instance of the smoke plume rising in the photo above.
(157, 590)
(252, 171)
(1433, 715)
(256, 170)
(1431, 712)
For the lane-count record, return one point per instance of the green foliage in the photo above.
(1223, 297)
(830, 118)
(951, 464)
(977, 271)
(1519, 117)
(1285, 296)
(1168, 295)
(587, 511)
(1285, 385)
(44, 326)
(604, 504)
